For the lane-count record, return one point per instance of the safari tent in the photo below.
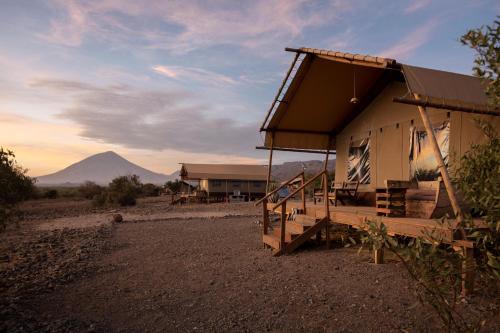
(223, 181)
(393, 128)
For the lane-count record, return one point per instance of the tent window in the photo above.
(423, 165)
(358, 162)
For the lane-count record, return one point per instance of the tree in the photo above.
(150, 190)
(89, 190)
(15, 186)
(124, 190)
(478, 179)
(174, 186)
(485, 41)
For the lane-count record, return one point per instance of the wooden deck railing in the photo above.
(300, 174)
(301, 188)
(283, 214)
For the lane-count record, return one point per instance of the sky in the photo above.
(163, 82)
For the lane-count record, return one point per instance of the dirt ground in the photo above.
(196, 268)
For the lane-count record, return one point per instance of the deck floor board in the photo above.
(356, 216)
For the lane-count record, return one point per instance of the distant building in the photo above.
(226, 181)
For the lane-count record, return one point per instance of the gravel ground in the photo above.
(195, 274)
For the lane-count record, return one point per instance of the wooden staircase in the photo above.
(294, 229)
(297, 232)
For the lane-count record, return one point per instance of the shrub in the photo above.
(51, 194)
(89, 190)
(99, 200)
(150, 190)
(174, 186)
(478, 179)
(124, 190)
(15, 186)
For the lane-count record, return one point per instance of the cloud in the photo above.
(182, 26)
(414, 40)
(195, 74)
(416, 5)
(152, 120)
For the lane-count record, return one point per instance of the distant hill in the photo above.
(102, 168)
(287, 170)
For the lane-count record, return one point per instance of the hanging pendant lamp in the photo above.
(354, 99)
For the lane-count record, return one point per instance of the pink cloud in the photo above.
(411, 42)
(416, 5)
(255, 24)
(195, 74)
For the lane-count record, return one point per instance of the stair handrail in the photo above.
(298, 189)
(278, 188)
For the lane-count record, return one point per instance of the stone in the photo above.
(118, 218)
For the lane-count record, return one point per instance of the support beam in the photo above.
(468, 271)
(283, 228)
(325, 195)
(310, 151)
(441, 166)
(265, 217)
(303, 193)
(425, 104)
(378, 256)
(268, 183)
(299, 131)
(280, 90)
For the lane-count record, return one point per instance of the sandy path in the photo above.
(92, 220)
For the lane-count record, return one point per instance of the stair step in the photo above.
(289, 236)
(295, 227)
(271, 240)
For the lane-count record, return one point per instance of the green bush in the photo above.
(99, 200)
(89, 190)
(478, 179)
(150, 190)
(124, 190)
(15, 186)
(174, 186)
(51, 194)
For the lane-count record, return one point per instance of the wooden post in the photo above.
(227, 194)
(248, 185)
(283, 226)
(265, 216)
(303, 193)
(442, 167)
(378, 256)
(325, 195)
(270, 163)
(468, 271)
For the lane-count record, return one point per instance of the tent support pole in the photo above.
(268, 183)
(442, 167)
(325, 194)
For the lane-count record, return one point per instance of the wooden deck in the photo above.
(356, 216)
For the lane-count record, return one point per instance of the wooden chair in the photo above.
(348, 192)
(339, 192)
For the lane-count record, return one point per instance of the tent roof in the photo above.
(316, 106)
(223, 171)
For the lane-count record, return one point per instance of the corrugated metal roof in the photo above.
(223, 171)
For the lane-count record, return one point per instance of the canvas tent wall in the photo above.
(315, 112)
(225, 179)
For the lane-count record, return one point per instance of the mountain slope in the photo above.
(287, 170)
(101, 168)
